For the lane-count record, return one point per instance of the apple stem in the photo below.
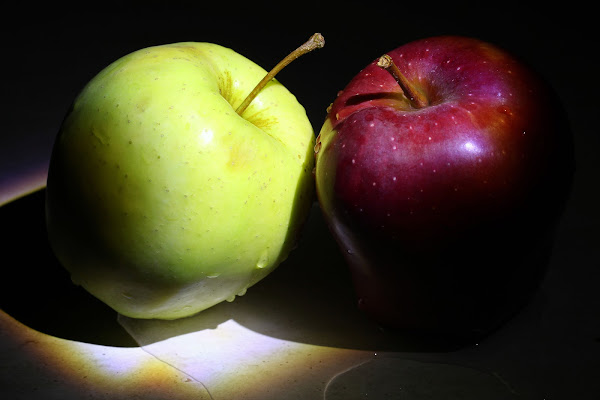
(316, 41)
(416, 98)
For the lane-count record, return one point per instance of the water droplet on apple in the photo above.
(242, 292)
(263, 261)
(212, 276)
(230, 298)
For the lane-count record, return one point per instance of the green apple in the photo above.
(163, 201)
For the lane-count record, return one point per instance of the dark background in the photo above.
(50, 52)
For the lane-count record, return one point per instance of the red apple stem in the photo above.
(416, 98)
(316, 41)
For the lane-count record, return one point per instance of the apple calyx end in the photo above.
(416, 98)
(316, 41)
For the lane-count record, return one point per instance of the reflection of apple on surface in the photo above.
(441, 170)
(162, 200)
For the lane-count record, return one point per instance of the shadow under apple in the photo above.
(37, 291)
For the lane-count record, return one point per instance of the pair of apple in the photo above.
(440, 171)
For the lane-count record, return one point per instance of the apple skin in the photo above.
(161, 200)
(445, 214)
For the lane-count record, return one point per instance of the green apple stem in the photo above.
(416, 98)
(316, 41)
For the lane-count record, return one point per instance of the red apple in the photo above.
(442, 182)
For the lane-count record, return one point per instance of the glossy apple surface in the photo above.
(161, 200)
(445, 212)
